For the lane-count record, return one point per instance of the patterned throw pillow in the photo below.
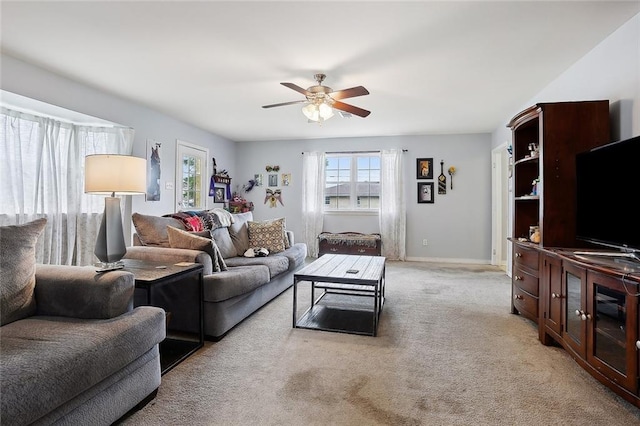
(268, 234)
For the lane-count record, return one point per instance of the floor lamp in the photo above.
(113, 174)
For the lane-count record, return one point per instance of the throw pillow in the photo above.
(152, 230)
(239, 232)
(186, 240)
(225, 243)
(268, 234)
(18, 270)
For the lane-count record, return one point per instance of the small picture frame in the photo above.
(425, 192)
(273, 179)
(424, 168)
(258, 178)
(218, 195)
(286, 179)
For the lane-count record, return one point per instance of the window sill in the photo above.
(351, 212)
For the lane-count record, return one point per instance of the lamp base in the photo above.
(110, 246)
(109, 266)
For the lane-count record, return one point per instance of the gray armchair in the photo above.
(86, 356)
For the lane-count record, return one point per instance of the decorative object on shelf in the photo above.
(452, 171)
(286, 179)
(247, 187)
(534, 234)
(273, 180)
(238, 204)
(424, 168)
(534, 186)
(153, 171)
(425, 192)
(442, 180)
(258, 179)
(534, 150)
(272, 168)
(113, 174)
(273, 196)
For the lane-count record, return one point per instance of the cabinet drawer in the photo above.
(526, 257)
(525, 303)
(525, 281)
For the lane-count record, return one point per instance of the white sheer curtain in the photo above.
(393, 210)
(42, 175)
(313, 164)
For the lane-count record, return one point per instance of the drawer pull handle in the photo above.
(556, 296)
(518, 297)
(638, 344)
(361, 250)
(583, 315)
(518, 278)
(333, 249)
(518, 254)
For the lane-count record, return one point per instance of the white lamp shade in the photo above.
(119, 174)
(311, 112)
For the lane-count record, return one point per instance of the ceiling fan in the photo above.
(322, 100)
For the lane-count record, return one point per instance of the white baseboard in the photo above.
(449, 260)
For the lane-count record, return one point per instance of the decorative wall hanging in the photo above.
(273, 180)
(247, 187)
(425, 192)
(286, 179)
(452, 171)
(273, 196)
(153, 170)
(424, 168)
(218, 194)
(258, 179)
(272, 168)
(442, 180)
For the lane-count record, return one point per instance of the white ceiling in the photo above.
(431, 67)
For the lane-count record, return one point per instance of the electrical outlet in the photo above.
(168, 185)
(424, 242)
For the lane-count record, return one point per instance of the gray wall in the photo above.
(457, 226)
(27, 80)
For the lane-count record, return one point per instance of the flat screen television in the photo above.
(607, 194)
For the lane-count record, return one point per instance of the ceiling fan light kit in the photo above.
(322, 100)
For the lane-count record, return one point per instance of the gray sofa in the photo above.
(233, 294)
(72, 348)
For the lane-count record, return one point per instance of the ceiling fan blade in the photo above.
(284, 103)
(297, 88)
(350, 108)
(349, 93)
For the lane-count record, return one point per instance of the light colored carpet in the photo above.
(448, 352)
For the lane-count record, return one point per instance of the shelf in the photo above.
(527, 160)
(527, 198)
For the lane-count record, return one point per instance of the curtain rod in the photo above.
(357, 152)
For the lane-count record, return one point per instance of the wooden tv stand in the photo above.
(589, 304)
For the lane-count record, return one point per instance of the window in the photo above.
(191, 178)
(352, 182)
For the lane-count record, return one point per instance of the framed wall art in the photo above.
(424, 168)
(273, 180)
(425, 192)
(218, 195)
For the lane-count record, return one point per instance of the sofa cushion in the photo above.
(152, 230)
(269, 234)
(276, 264)
(18, 270)
(234, 282)
(239, 231)
(186, 240)
(47, 361)
(296, 254)
(223, 239)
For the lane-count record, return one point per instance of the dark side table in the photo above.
(179, 291)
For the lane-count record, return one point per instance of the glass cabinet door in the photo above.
(574, 333)
(612, 347)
